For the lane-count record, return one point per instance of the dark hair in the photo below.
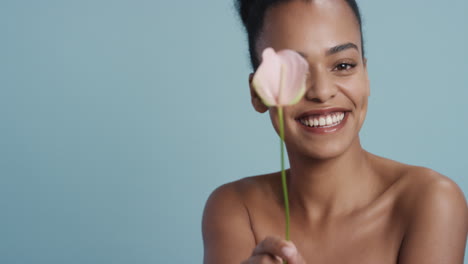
(252, 13)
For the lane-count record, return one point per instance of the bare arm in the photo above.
(438, 226)
(227, 236)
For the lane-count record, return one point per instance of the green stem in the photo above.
(283, 172)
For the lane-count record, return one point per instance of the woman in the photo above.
(347, 205)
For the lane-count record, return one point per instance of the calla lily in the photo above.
(280, 79)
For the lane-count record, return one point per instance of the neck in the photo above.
(329, 187)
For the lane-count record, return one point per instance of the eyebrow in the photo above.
(341, 47)
(336, 49)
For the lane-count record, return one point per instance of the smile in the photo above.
(323, 121)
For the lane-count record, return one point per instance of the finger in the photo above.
(276, 246)
(292, 255)
(283, 249)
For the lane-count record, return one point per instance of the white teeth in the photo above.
(323, 120)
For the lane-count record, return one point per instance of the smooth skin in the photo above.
(347, 205)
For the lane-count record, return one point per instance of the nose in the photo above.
(320, 87)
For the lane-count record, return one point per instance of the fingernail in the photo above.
(288, 251)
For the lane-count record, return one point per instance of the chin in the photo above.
(322, 149)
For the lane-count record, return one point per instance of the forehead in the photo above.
(309, 26)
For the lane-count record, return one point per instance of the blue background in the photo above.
(118, 118)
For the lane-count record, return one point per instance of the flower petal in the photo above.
(266, 80)
(293, 77)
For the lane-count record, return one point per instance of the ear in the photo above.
(256, 100)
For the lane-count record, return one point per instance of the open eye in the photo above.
(344, 66)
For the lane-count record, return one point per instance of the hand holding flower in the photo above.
(274, 249)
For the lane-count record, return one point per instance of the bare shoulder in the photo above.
(422, 187)
(238, 192)
(415, 185)
(435, 213)
(226, 226)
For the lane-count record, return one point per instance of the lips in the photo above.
(323, 121)
(324, 111)
(327, 120)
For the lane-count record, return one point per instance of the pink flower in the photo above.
(281, 77)
(280, 80)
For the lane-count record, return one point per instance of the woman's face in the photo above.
(326, 33)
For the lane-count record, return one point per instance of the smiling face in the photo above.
(326, 122)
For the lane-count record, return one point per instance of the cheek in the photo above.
(356, 90)
(290, 127)
(274, 118)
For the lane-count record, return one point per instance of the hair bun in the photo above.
(244, 8)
